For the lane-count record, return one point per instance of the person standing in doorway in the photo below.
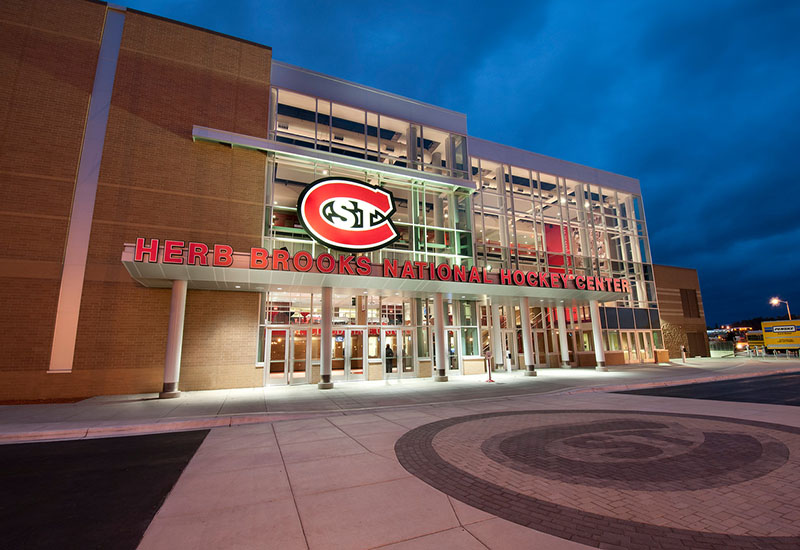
(389, 358)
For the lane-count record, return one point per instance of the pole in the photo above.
(326, 335)
(172, 361)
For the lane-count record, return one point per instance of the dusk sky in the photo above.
(698, 100)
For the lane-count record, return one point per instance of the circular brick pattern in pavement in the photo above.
(620, 478)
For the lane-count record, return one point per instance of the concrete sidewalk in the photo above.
(668, 473)
(129, 414)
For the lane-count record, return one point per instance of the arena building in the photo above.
(181, 212)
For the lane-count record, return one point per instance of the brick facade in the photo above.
(678, 327)
(154, 181)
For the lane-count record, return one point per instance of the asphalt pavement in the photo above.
(100, 493)
(778, 389)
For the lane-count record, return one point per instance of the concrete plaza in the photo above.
(417, 464)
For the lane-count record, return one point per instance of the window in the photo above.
(689, 303)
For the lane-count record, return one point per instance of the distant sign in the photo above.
(781, 334)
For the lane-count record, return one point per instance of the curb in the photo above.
(96, 432)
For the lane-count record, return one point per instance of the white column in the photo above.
(326, 339)
(438, 331)
(527, 341)
(172, 361)
(597, 335)
(562, 337)
(497, 336)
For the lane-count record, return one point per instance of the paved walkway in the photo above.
(551, 472)
(125, 414)
(553, 462)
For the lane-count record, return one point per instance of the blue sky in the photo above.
(698, 100)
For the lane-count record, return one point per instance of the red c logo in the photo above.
(347, 214)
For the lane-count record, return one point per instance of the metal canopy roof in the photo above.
(202, 133)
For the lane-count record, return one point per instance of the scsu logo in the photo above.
(347, 215)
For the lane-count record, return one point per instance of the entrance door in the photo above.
(348, 354)
(338, 354)
(540, 347)
(286, 354)
(645, 347)
(626, 346)
(633, 347)
(406, 358)
(695, 343)
(391, 355)
(298, 371)
(451, 352)
(275, 371)
(400, 364)
(509, 346)
(356, 360)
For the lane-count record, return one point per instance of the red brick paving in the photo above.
(620, 479)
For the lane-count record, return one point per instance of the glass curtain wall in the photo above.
(327, 126)
(529, 220)
(434, 221)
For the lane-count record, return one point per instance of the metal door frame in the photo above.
(269, 330)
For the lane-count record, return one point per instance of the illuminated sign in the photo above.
(781, 334)
(222, 255)
(347, 215)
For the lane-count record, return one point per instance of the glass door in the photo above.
(338, 355)
(406, 359)
(633, 346)
(626, 348)
(451, 351)
(298, 373)
(645, 347)
(275, 371)
(348, 362)
(540, 347)
(355, 364)
(509, 350)
(389, 355)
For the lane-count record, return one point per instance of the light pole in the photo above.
(776, 301)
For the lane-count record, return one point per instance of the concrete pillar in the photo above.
(436, 160)
(497, 336)
(441, 343)
(172, 361)
(326, 339)
(527, 341)
(412, 147)
(562, 337)
(597, 335)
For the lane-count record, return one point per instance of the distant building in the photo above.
(683, 322)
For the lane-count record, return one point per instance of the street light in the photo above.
(776, 301)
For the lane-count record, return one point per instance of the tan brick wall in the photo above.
(154, 181)
(674, 325)
(669, 281)
(48, 54)
(220, 341)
